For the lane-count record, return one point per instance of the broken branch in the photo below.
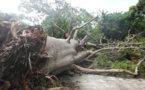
(87, 70)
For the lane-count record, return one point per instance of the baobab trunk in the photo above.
(62, 55)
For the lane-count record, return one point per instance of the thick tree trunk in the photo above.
(62, 55)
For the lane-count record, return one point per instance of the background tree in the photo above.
(67, 16)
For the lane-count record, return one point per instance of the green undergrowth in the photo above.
(120, 60)
(125, 64)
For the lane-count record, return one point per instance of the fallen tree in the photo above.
(28, 55)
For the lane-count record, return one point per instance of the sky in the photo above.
(107, 5)
(11, 6)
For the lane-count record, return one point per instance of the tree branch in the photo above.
(70, 24)
(87, 70)
(78, 28)
(112, 48)
(75, 34)
(113, 44)
(88, 34)
(58, 27)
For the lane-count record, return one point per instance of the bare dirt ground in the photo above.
(98, 82)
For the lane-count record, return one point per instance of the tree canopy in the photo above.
(59, 17)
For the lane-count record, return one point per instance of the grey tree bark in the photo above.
(62, 55)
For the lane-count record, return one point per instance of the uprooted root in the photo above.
(22, 54)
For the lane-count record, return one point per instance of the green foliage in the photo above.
(140, 39)
(124, 64)
(97, 34)
(61, 13)
(113, 25)
(64, 16)
(101, 62)
(135, 17)
(142, 69)
(59, 83)
(116, 25)
(119, 60)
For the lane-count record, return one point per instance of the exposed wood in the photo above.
(75, 34)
